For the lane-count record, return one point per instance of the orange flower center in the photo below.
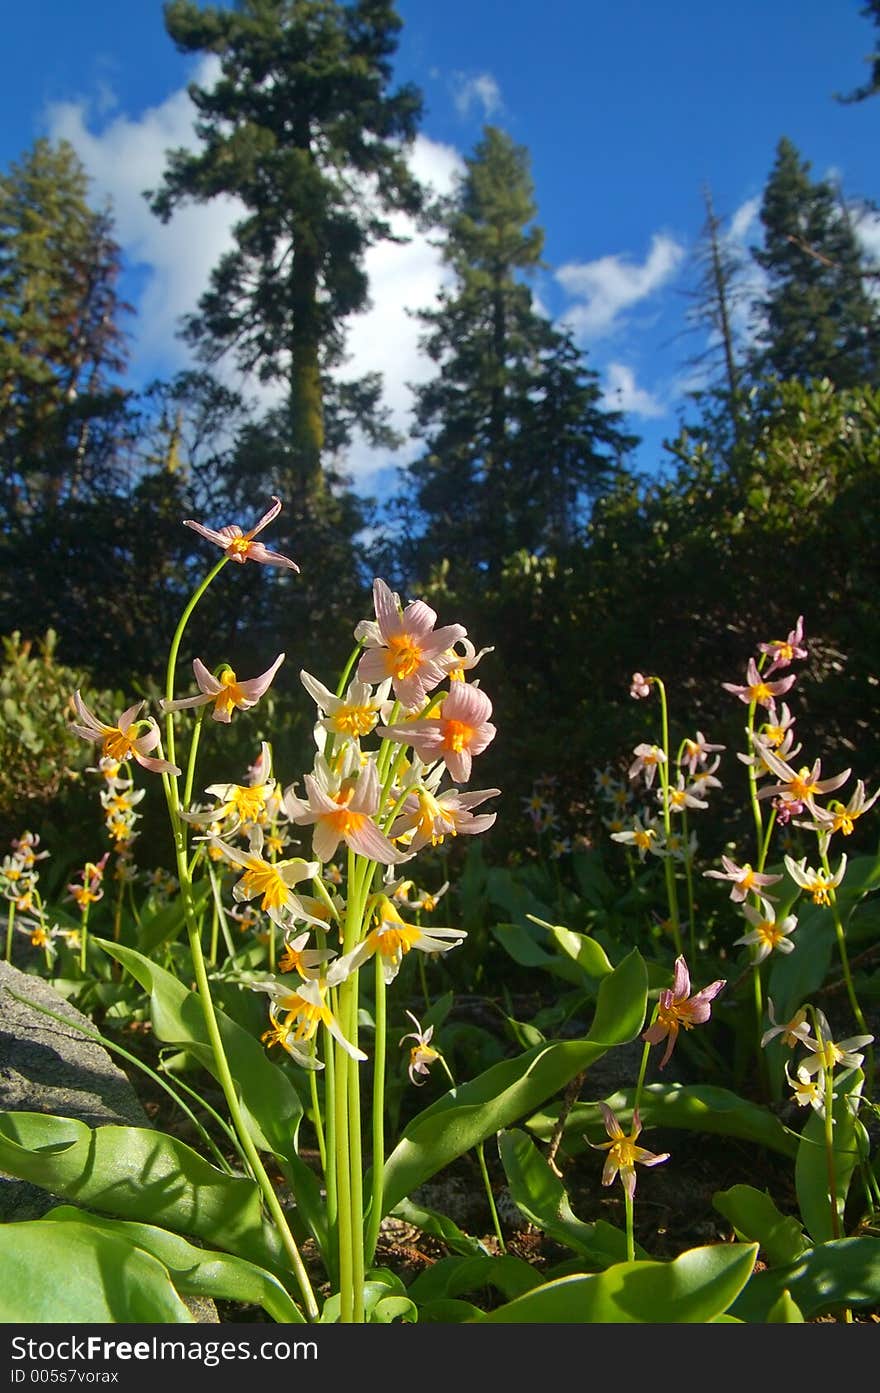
(355, 720)
(458, 736)
(117, 745)
(265, 880)
(404, 656)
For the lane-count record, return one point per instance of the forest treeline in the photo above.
(521, 514)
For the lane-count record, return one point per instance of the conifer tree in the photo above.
(817, 319)
(61, 345)
(302, 129)
(516, 441)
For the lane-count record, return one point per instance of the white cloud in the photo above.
(744, 221)
(126, 155)
(621, 393)
(481, 90)
(611, 285)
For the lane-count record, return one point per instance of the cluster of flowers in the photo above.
(19, 876)
(381, 805)
(119, 800)
(541, 811)
(815, 1076)
(651, 829)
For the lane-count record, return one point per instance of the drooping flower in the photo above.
(784, 651)
(457, 664)
(297, 1012)
(393, 938)
(797, 786)
(623, 1154)
(130, 738)
(798, 1028)
(343, 815)
(807, 1090)
(273, 881)
(404, 645)
(827, 1054)
(225, 691)
(757, 689)
(839, 817)
(422, 1054)
(818, 883)
(240, 546)
(461, 730)
(351, 716)
(648, 759)
(641, 835)
(640, 686)
(768, 933)
(681, 797)
(428, 817)
(307, 962)
(677, 1009)
(743, 879)
(696, 752)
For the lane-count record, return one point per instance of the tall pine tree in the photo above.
(61, 344)
(516, 441)
(302, 129)
(816, 317)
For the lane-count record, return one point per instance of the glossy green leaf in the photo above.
(824, 1280)
(272, 1107)
(137, 1173)
(439, 1226)
(589, 955)
(518, 941)
(697, 1287)
(166, 923)
(448, 1311)
(755, 1217)
(811, 1165)
(74, 1274)
(451, 1277)
(785, 1311)
(194, 1271)
(512, 1089)
(693, 1107)
(541, 1196)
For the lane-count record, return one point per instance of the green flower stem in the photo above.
(343, 1176)
(844, 956)
(83, 939)
(193, 751)
(117, 912)
(224, 1074)
(484, 1172)
(668, 867)
(753, 779)
(765, 846)
(316, 1109)
(172, 658)
(759, 1022)
(828, 1076)
(689, 882)
(640, 1083)
(10, 922)
(221, 916)
(630, 1234)
(374, 1218)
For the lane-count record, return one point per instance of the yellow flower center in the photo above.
(230, 695)
(458, 736)
(265, 880)
(248, 803)
(404, 656)
(306, 1016)
(819, 888)
(760, 692)
(393, 941)
(354, 720)
(117, 746)
(769, 932)
(239, 546)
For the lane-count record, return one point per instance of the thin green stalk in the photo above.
(640, 1083)
(10, 922)
(484, 1172)
(172, 657)
(83, 939)
(828, 1074)
(844, 963)
(378, 1131)
(630, 1229)
(316, 1110)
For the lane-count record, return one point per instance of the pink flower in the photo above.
(226, 692)
(427, 817)
(648, 758)
(623, 1154)
(128, 739)
(240, 546)
(743, 879)
(758, 689)
(784, 651)
(677, 1009)
(696, 751)
(344, 815)
(405, 646)
(460, 731)
(640, 686)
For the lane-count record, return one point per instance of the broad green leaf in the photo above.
(194, 1271)
(439, 1226)
(693, 1107)
(824, 1280)
(542, 1198)
(512, 1089)
(585, 951)
(785, 1311)
(697, 1287)
(272, 1107)
(755, 1216)
(63, 1274)
(811, 1166)
(137, 1173)
(519, 943)
(167, 922)
(450, 1277)
(448, 1311)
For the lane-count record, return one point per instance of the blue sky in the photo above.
(627, 111)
